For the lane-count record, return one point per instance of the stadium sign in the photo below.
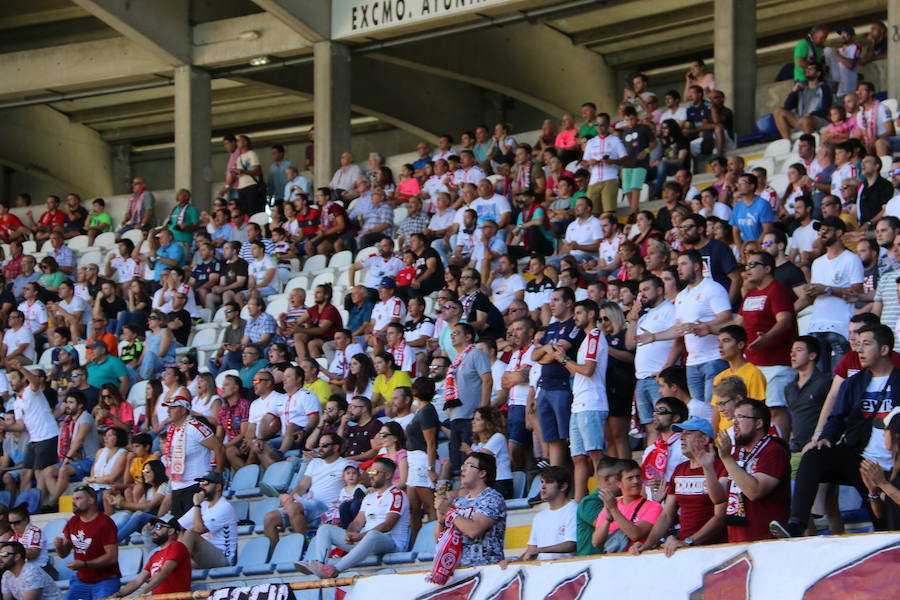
(862, 567)
(351, 18)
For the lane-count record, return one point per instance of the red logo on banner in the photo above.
(458, 591)
(728, 581)
(511, 590)
(863, 579)
(571, 588)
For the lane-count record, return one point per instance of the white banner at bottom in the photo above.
(862, 567)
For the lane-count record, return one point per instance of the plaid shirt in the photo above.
(231, 417)
(247, 254)
(65, 256)
(411, 225)
(261, 325)
(376, 215)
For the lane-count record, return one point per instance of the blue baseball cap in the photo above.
(696, 424)
(387, 282)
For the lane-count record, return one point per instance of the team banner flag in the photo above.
(265, 591)
(862, 567)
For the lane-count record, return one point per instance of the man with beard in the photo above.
(886, 229)
(76, 447)
(381, 526)
(659, 460)
(210, 528)
(478, 310)
(515, 380)
(334, 411)
(874, 192)
(836, 276)
(718, 259)
(892, 208)
(24, 580)
(168, 570)
(93, 537)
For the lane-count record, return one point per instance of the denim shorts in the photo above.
(646, 392)
(586, 431)
(554, 407)
(515, 425)
(312, 510)
(778, 377)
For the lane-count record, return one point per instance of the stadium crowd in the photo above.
(508, 316)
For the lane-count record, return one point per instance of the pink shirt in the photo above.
(565, 138)
(649, 512)
(231, 179)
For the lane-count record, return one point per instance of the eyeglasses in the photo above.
(229, 311)
(153, 318)
(752, 264)
(44, 267)
(160, 526)
(767, 244)
(105, 396)
(185, 362)
(604, 319)
(76, 374)
(374, 471)
(260, 380)
(746, 417)
(466, 277)
(433, 367)
(687, 226)
(384, 433)
(662, 411)
(452, 333)
(448, 306)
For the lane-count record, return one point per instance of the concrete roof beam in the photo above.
(309, 18)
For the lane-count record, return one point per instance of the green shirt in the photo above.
(51, 280)
(102, 221)
(588, 510)
(109, 371)
(191, 217)
(803, 49)
(587, 129)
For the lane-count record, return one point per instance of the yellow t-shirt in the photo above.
(386, 387)
(321, 389)
(137, 467)
(753, 379)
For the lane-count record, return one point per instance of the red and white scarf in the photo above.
(66, 435)
(868, 120)
(520, 356)
(451, 391)
(523, 178)
(175, 451)
(657, 460)
(399, 352)
(135, 208)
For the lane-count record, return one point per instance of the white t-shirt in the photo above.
(404, 357)
(609, 248)
(341, 363)
(326, 480)
(221, 523)
(75, 305)
(258, 409)
(473, 175)
(720, 210)
(491, 208)
(35, 315)
(589, 393)
(13, 339)
(651, 358)
(804, 237)
(832, 313)
(414, 331)
(126, 269)
(33, 537)
(32, 409)
(845, 171)
(863, 116)
(379, 267)
(696, 304)
(875, 450)
(197, 457)
(584, 232)
(598, 147)
(499, 447)
(439, 221)
(376, 508)
(503, 290)
(385, 312)
(435, 185)
(257, 269)
(297, 408)
(892, 208)
(679, 114)
(520, 359)
(247, 161)
(551, 527)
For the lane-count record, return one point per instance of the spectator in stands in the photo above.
(168, 570)
(639, 142)
(383, 264)
(49, 220)
(660, 460)
(381, 526)
(553, 530)
(77, 444)
(92, 536)
(159, 347)
(31, 537)
(758, 474)
(810, 51)
(626, 520)
(298, 411)
(836, 275)
(12, 231)
(205, 272)
(330, 421)
(110, 461)
(324, 320)
(752, 216)
(227, 354)
(807, 105)
(603, 155)
(18, 341)
(189, 449)
(468, 386)
(164, 253)
(675, 154)
(28, 275)
(233, 277)
(806, 394)
(234, 414)
(884, 506)
(688, 495)
(732, 345)
(210, 527)
(590, 506)
(848, 436)
(874, 119)
(359, 436)
(874, 193)
(22, 579)
(152, 499)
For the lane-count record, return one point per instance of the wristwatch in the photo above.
(689, 541)
(827, 290)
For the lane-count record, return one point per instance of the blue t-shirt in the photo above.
(172, 251)
(749, 219)
(555, 376)
(698, 114)
(718, 262)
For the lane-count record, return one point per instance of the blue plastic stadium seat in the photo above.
(517, 504)
(425, 557)
(279, 475)
(259, 510)
(373, 560)
(120, 517)
(53, 530)
(65, 574)
(241, 509)
(197, 574)
(424, 543)
(288, 551)
(245, 479)
(130, 562)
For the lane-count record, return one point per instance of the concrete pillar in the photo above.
(734, 45)
(331, 107)
(193, 130)
(893, 57)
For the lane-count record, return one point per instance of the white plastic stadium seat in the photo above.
(136, 393)
(778, 148)
(366, 253)
(105, 240)
(79, 243)
(314, 264)
(341, 259)
(91, 256)
(134, 235)
(891, 103)
(325, 277)
(220, 378)
(277, 306)
(260, 218)
(29, 247)
(300, 281)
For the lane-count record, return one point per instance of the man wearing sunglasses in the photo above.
(31, 537)
(380, 526)
(23, 580)
(660, 459)
(168, 570)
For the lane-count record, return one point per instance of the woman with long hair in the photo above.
(620, 380)
(138, 302)
(109, 463)
(159, 347)
(155, 501)
(361, 378)
(711, 207)
(795, 174)
(151, 393)
(672, 285)
(173, 382)
(489, 436)
(51, 276)
(674, 156)
(279, 359)
(884, 490)
(421, 446)
(393, 446)
(384, 180)
(206, 401)
(645, 224)
(452, 274)
(389, 378)
(112, 410)
(187, 364)
(722, 231)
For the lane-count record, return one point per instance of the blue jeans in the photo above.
(700, 379)
(646, 392)
(662, 171)
(135, 522)
(79, 590)
(151, 366)
(135, 317)
(834, 347)
(442, 249)
(231, 360)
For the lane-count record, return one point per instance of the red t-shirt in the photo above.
(180, 579)
(49, 220)
(309, 223)
(9, 224)
(850, 365)
(694, 506)
(405, 276)
(329, 313)
(88, 540)
(775, 460)
(758, 311)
